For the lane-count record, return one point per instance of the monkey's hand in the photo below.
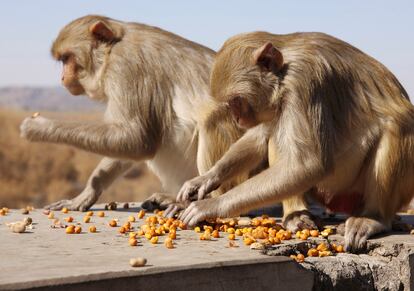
(198, 187)
(200, 210)
(82, 202)
(175, 208)
(35, 128)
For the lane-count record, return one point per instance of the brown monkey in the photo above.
(340, 123)
(151, 81)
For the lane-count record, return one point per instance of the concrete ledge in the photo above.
(267, 274)
(49, 259)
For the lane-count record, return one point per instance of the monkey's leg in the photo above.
(101, 178)
(388, 186)
(295, 210)
(126, 140)
(296, 215)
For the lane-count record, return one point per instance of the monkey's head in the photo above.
(80, 46)
(245, 75)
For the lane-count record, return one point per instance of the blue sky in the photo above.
(383, 29)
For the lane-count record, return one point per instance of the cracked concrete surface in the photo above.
(387, 265)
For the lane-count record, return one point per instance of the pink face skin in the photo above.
(242, 112)
(69, 76)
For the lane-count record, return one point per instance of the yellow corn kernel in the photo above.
(78, 229)
(70, 229)
(154, 240)
(313, 252)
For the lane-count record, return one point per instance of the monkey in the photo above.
(340, 122)
(150, 80)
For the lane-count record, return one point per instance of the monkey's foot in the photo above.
(358, 230)
(82, 202)
(158, 201)
(299, 220)
(340, 229)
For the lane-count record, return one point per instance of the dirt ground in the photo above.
(40, 173)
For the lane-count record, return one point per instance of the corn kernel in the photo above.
(314, 233)
(313, 252)
(300, 258)
(92, 229)
(205, 236)
(86, 219)
(65, 210)
(169, 243)
(101, 214)
(340, 249)
(154, 240)
(112, 223)
(69, 219)
(78, 229)
(248, 241)
(141, 214)
(51, 215)
(70, 229)
(89, 213)
(325, 253)
(231, 230)
(306, 231)
(287, 235)
(197, 229)
(132, 242)
(322, 247)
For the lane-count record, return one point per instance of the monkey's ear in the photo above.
(102, 31)
(268, 57)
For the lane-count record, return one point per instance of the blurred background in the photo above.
(38, 174)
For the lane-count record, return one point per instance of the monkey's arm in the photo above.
(101, 178)
(284, 179)
(244, 155)
(108, 139)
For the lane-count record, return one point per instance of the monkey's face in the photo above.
(247, 80)
(80, 46)
(70, 78)
(242, 112)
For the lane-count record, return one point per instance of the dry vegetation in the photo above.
(38, 173)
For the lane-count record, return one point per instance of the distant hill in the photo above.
(45, 99)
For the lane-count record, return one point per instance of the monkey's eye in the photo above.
(64, 58)
(235, 102)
